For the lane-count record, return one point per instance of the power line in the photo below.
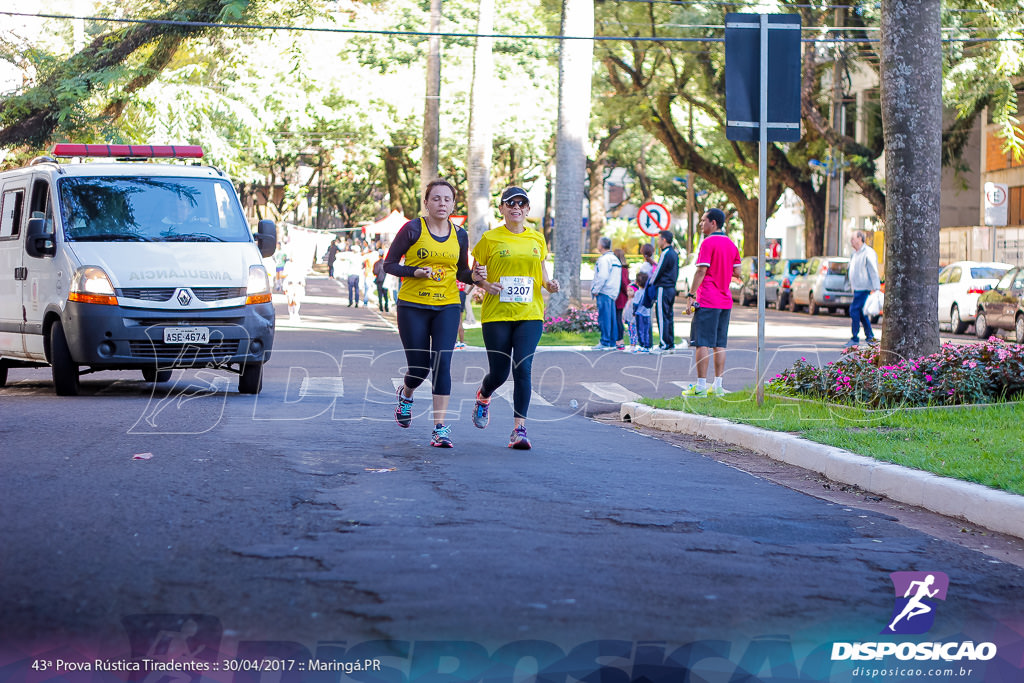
(361, 31)
(820, 8)
(511, 36)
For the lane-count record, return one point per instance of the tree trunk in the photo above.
(432, 104)
(478, 165)
(595, 172)
(392, 160)
(912, 127)
(595, 200)
(574, 72)
(548, 221)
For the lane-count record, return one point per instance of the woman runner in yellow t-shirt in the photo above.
(511, 258)
(436, 254)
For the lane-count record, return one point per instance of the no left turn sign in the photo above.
(653, 218)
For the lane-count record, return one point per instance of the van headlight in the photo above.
(90, 285)
(257, 290)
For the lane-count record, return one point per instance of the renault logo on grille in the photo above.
(184, 297)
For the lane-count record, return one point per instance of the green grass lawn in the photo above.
(979, 444)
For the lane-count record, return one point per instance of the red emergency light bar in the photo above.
(72, 149)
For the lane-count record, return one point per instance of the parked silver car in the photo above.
(824, 284)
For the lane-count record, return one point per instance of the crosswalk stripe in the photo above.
(422, 391)
(505, 392)
(611, 391)
(322, 386)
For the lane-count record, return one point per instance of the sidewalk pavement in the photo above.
(996, 510)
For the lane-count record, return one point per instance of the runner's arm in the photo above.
(406, 237)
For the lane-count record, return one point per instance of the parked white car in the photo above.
(960, 285)
(686, 272)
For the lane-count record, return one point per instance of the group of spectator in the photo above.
(624, 304)
(651, 296)
(360, 267)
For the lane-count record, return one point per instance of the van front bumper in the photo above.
(118, 337)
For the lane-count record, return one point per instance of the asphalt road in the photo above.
(303, 525)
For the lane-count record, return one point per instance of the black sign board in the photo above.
(743, 76)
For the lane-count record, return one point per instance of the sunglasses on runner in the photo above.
(517, 203)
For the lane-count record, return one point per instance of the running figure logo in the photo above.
(913, 611)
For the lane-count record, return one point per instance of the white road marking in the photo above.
(613, 392)
(322, 386)
(505, 392)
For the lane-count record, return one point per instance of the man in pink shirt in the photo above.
(718, 262)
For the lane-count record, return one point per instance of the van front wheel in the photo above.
(62, 365)
(250, 380)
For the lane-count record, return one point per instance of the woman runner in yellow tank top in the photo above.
(435, 253)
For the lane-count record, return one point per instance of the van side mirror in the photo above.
(266, 237)
(39, 242)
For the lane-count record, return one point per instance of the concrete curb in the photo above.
(996, 510)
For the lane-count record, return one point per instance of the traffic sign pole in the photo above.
(742, 51)
(762, 208)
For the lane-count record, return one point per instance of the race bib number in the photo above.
(516, 290)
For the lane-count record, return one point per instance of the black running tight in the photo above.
(428, 335)
(510, 346)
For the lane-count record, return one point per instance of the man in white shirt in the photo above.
(864, 280)
(605, 287)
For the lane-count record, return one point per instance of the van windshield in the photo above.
(150, 209)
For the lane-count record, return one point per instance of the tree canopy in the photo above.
(341, 93)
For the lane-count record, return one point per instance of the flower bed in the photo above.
(583, 319)
(958, 374)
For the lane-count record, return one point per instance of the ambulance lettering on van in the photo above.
(190, 274)
(126, 264)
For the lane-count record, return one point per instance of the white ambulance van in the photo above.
(122, 263)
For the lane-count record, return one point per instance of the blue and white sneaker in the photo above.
(441, 437)
(403, 413)
(481, 412)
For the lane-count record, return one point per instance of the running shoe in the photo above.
(459, 345)
(518, 439)
(716, 391)
(441, 437)
(481, 412)
(403, 413)
(693, 392)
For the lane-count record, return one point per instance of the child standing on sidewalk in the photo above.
(641, 316)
